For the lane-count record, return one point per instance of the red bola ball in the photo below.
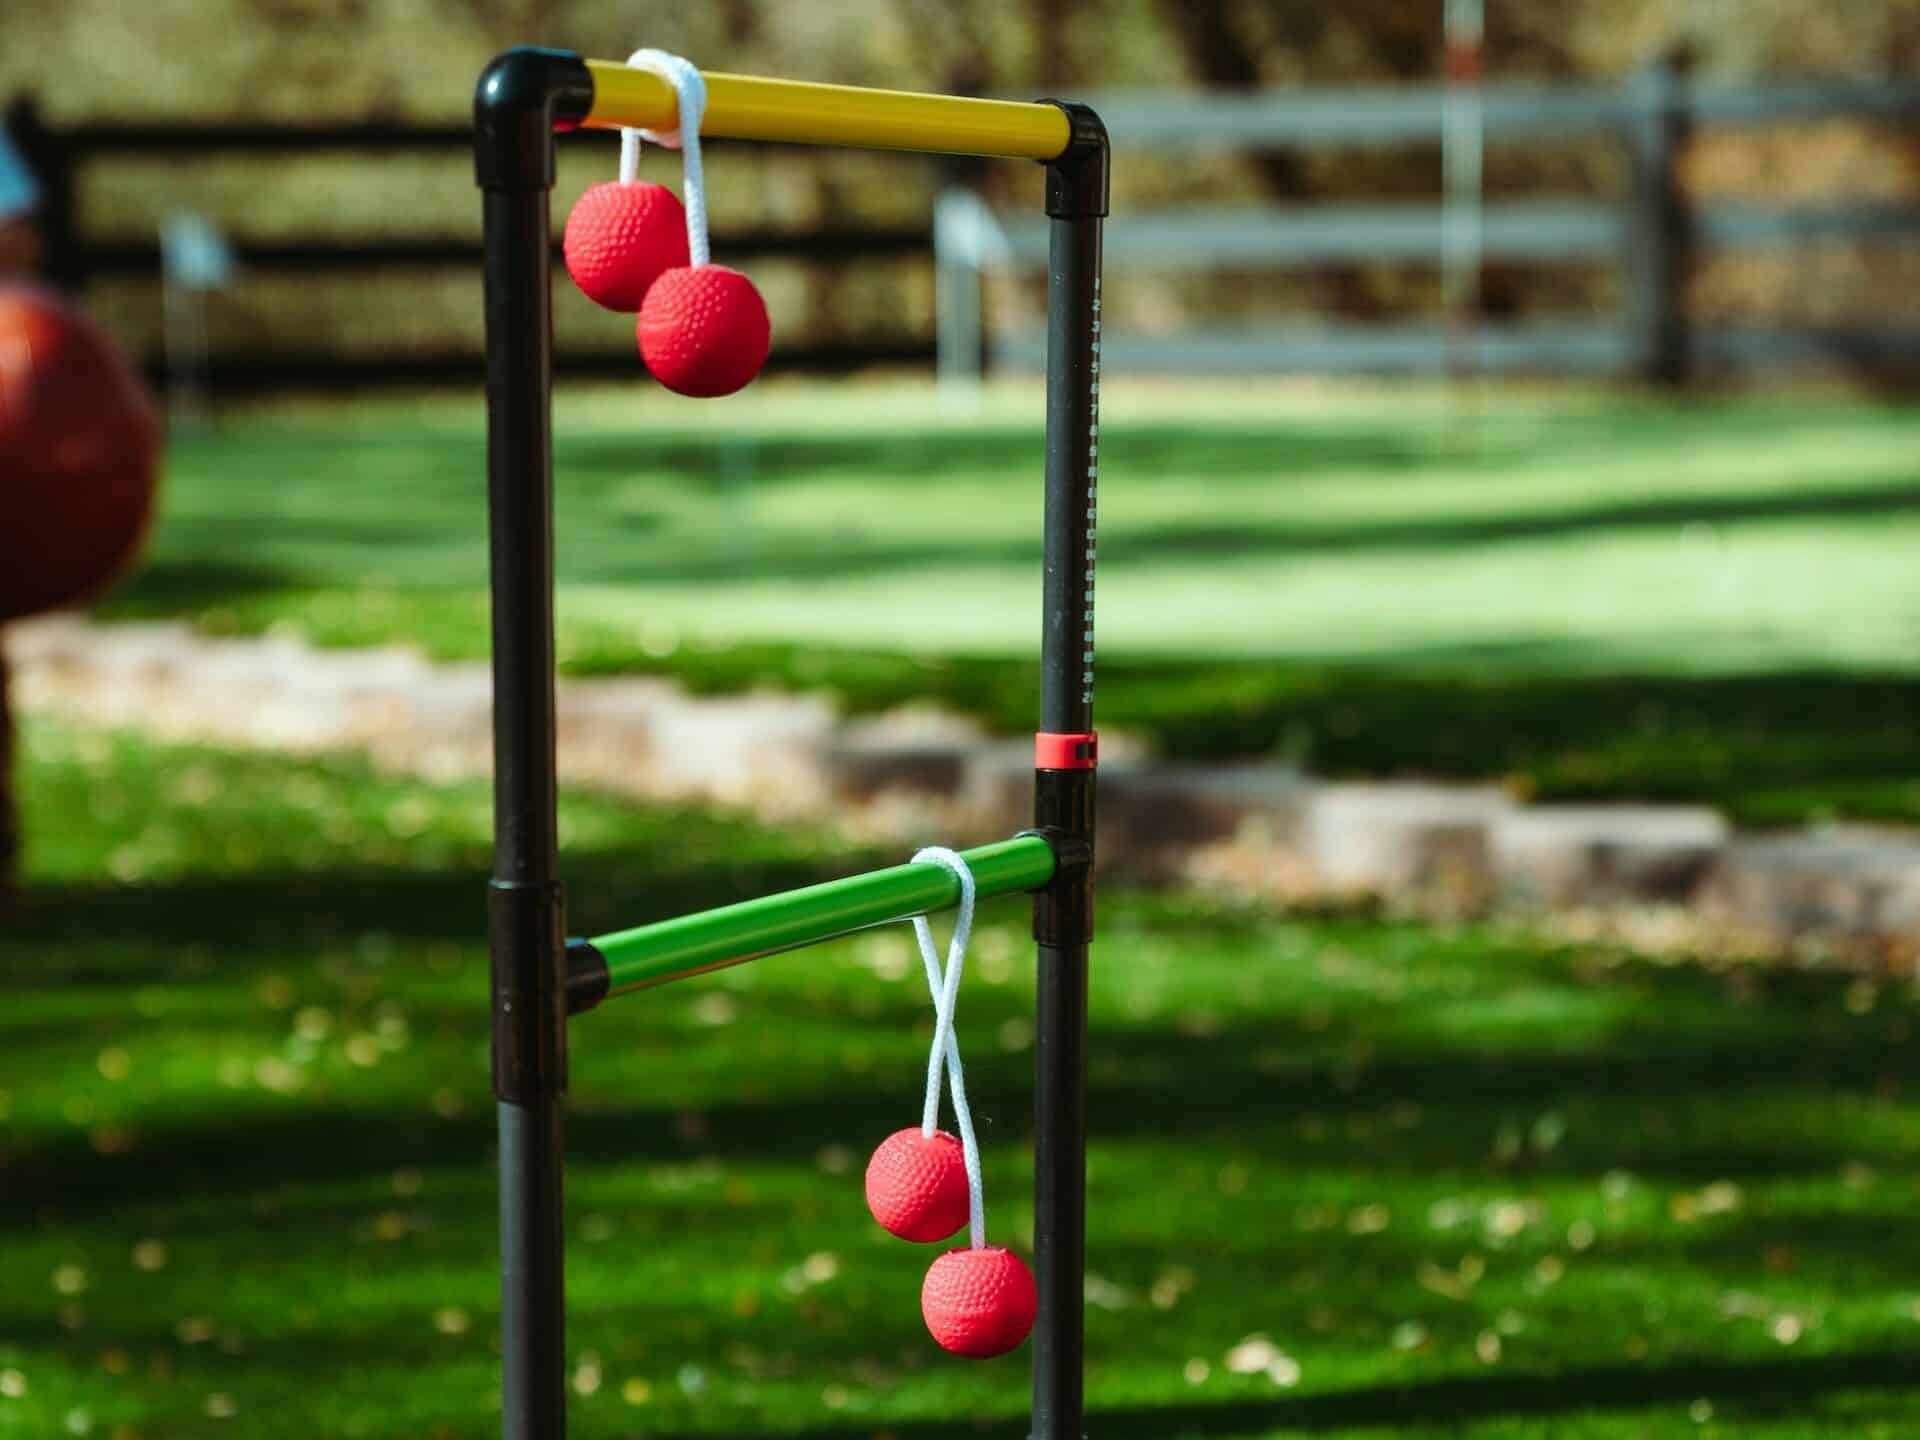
(917, 1185)
(622, 236)
(704, 330)
(979, 1303)
(79, 449)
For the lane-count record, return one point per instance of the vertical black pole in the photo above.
(1065, 753)
(515, 110)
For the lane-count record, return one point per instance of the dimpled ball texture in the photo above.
(917, 1185)
(979, 1303)
(704, 330)
(622, 236)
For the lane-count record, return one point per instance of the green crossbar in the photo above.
(733, 934)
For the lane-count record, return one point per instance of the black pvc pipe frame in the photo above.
(524, 97)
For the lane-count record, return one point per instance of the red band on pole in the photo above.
(1065, 752)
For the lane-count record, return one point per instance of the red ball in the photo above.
(979, 1303)
(704, 330)
(622, 236)
(79, 452)
(917, 1185)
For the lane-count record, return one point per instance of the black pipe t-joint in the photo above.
(1063, 908)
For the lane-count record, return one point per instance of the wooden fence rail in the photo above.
(1650, 232)
(75, 258)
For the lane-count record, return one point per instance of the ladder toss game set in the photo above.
(703, 331)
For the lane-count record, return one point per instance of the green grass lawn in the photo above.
(1586, 595)
(1462, 1182)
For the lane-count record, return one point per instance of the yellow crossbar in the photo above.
(751, 107)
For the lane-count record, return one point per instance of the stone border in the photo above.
(1672, 876)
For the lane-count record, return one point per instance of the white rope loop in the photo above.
(690, 90)
(944, 983)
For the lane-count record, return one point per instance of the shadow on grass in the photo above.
(828, 556)
(272, 909)
(178, 588)
(1751, 1389)
(1223, 451)
(1267, 451)
(365, 537)
(117, 939)
(326, 1165)
(1772, 747)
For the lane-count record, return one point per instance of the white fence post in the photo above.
(966, 240)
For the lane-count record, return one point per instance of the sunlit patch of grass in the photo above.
(1580, 594)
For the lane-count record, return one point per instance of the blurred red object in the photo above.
(79, 452)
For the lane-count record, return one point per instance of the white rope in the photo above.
(945, 985)
(690, 89)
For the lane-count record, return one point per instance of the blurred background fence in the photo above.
(1641, 227)
(1651, 230)
(77, 258)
